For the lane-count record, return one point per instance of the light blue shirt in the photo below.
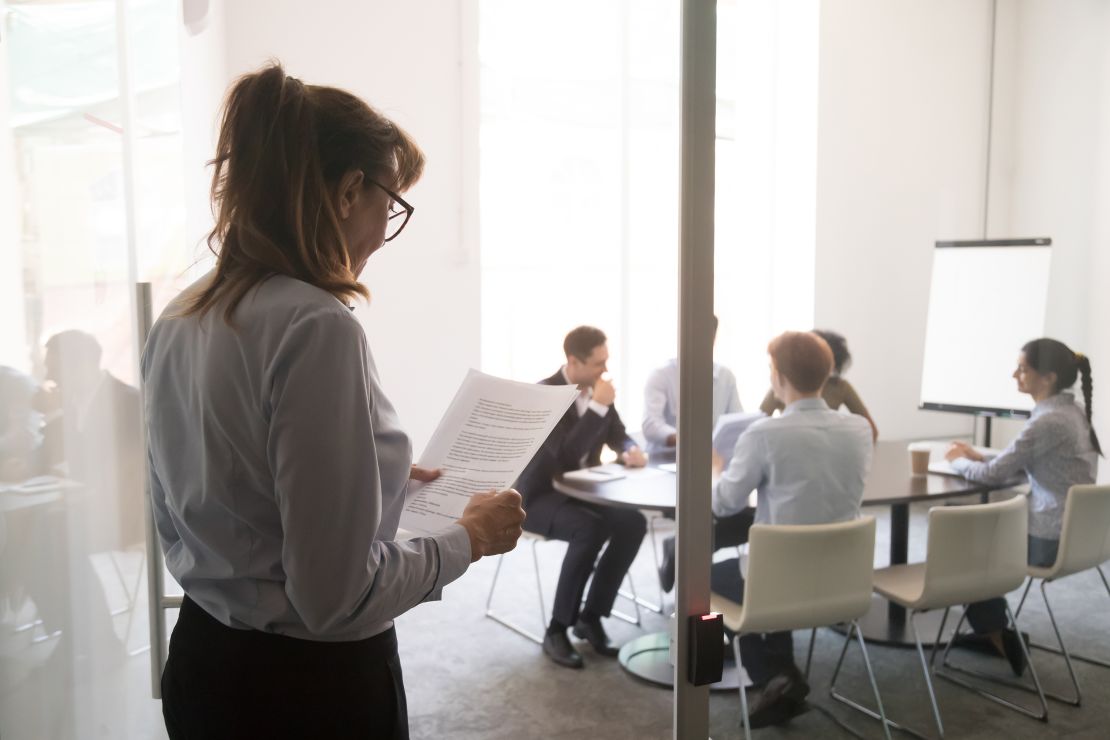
(1054, 450)
(278, 469)
(809, 466)
(661, 402)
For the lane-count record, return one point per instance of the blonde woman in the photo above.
(278, 465)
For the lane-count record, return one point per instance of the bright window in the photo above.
(579, 183)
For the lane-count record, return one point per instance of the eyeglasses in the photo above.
(398, 208)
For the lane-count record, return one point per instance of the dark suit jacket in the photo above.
(105, 454)
(572, 439)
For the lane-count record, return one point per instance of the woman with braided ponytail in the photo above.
(1057, 449)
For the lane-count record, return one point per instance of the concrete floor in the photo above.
(469, 678)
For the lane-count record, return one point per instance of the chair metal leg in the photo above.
(871, 678)
(539, 583)
(809, 653)
(1069, 656)
(656, 607)
(925, 667)
(1063, 649)
(631, 596)
(1024, 593)
(131, 613)
(881, 714)
(1103, 577)
(940, 632)
(123, 585)
(948, 648)
(743, 694)
(28, 626)
(1042, 716)
(507, 622)
(1077, 696)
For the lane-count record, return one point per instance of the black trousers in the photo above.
(767, 655)
(586, 528)
(764, 655)
(221, 682)
(990, 615)
(732, 531)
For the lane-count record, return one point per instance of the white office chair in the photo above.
(974, 553)
(535, 540)
(1084, 545)
(804, 577)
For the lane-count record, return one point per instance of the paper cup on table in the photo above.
(919, 457)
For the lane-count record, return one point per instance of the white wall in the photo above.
(1047, 124)
(901, 151)
(1098, 335)
(407, 59)
(1046, 173)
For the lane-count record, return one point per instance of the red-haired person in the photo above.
(808, 466)
(837, 391)
(278, 466)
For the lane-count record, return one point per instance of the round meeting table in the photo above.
(890, 483)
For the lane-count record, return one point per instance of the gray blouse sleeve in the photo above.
(321, 451)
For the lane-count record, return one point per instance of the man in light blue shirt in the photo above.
(660, 425)
(808, 466)
(660, 429)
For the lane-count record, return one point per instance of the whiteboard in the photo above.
(986, 300)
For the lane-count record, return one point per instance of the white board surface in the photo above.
(985, 302)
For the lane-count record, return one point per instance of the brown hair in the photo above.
(283, 147)
(580, 342)
(1052, 356)
(803, 357)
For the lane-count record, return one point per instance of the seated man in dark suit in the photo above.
(575, 443)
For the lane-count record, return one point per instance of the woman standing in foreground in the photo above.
(278, 466)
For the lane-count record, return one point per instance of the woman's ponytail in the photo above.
(283, 146)
(1084, 365)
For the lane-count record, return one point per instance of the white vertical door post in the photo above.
(695, 348)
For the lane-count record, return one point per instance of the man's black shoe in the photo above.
(592, 632)
(666, 570)
(783, 697)
(975, 643)
(1012, 647)
(557, 647)
(982, 643)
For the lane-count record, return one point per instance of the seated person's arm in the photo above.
(770, 403)
(570, 448)
(1037, 440)
(743, 475)
(656, 429)
(856, 406)
(628, 452)
(733, 405)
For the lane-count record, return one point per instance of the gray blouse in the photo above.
(278, 469)
(1054, 451)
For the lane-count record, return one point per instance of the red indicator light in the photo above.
(709, 617)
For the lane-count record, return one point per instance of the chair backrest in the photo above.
(975, 552)
(1085, 538)
(808, 575)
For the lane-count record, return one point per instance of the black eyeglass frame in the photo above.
(407, 212)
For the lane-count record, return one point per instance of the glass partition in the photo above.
(83, 220)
